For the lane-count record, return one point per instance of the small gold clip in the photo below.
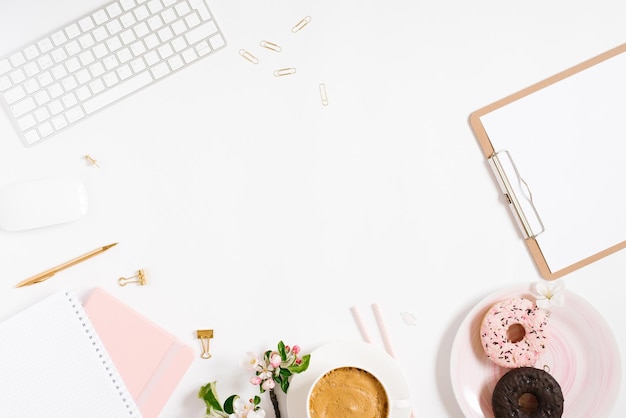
(323, 95)
(301, 24)
(271, 46)
(91, 160)
(248, 56)
(139, 278)
(204, 335)
(284, 71)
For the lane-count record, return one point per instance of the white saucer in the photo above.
(362, 355)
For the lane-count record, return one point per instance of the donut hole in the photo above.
(515, 333)
(528, 403)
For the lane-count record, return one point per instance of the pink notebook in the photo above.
(150, 360)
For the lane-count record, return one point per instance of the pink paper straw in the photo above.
(359, 322)
(383, 329)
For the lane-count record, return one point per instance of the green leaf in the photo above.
(257, 400)
(228, 405)
(284, 385)
(208, 392)
(281, 351)
(304, 364)
(285, 373)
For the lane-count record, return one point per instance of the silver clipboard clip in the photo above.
(517, 194)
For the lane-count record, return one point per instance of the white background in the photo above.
(264, 215)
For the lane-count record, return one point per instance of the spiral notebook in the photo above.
(53, 365)
(151, 360)
(557, 150)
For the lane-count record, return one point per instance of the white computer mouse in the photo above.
(42, 202)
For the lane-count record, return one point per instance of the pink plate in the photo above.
(582, 355)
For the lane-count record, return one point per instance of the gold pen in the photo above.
(45, 275)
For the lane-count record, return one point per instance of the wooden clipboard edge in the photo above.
(488, 150)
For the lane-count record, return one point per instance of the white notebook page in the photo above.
(53, 365)
(568, 141)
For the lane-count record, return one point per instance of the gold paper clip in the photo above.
(284, 71)
(323, 95)
(204, 335)
(301, 24)
(271, 46)
(139, 278)
(248, 56)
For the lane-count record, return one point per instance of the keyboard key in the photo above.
(100, 17)
(23, 107)
(74, 114)
(114, 9)
(55, 90)
(69, 100)
(86, 24)
(72, 31)
(69, 83)
(117, 92)
(31, 69)
(110, 62)
(14, 95)
(127, 4)
(110, 79)
(168, 15)
(17, 76)
(182, 9)
(31, 85)
(72, 48)
(124, 71)
(41, 97)
(5, 83)
(175, 62)
(45, 45)
(58, 38)
(59, 122)
(100, 33)
(41, 114)
(55, 107)
(201, 8)
(127, 20)
(17, 59)
(137, 65)
(155, 6)
(45, 129)
(31, 52)
(26, 122)
(141, 13)
(201, 32)
(45, 61)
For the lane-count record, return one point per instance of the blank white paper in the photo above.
(568, 141)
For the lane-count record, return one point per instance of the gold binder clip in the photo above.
(139, 278)
(301, 24)
(204, 335)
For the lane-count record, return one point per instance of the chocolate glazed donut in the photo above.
(527, 392)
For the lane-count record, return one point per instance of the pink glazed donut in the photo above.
(513, 332)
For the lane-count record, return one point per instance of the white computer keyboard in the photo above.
(100, 58)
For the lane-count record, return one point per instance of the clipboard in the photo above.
(557, 150)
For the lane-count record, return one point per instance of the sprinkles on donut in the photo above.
(513, 332)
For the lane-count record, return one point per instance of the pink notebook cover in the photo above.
(149, 359)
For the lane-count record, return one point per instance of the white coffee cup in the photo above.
(351, 391)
